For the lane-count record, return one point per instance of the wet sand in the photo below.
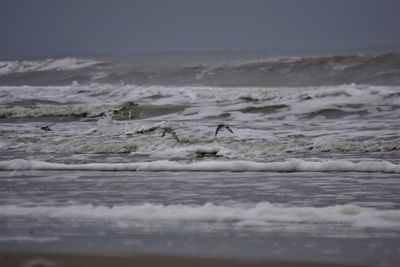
(19, 259)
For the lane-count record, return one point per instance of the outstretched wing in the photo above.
(228, 128)
(145, 131)
(45, 128)
(219, 127)
(164, 132)
(175, 136)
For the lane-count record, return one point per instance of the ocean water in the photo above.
(310, 171)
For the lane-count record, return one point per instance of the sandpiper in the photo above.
(46, 128)
(222, 126)
(170, 131)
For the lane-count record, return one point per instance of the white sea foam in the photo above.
(293, 165)
(268, 123)
(250, 214)
(94, 93)
(55, 110)
(196, 144)
(84, 146)
(67, 63)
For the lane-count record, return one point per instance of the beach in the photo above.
(117, 162)
(26, 259)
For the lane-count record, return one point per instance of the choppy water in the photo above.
(310, 172)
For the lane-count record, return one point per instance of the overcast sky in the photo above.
(45, 28)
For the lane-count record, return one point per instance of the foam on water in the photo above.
(84, 147)
(203, 69)
(115, 93)
(293, 165)
(305, 133)
(54, 111)
(239, 104)
(61, 64)
(244, 214)
(188, 149)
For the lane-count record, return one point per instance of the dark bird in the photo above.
(222, 126)
(146, 131)
(46, 128)
(170, 131)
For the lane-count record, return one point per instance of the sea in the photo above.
(248, 156)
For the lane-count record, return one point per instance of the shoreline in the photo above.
(29, 259)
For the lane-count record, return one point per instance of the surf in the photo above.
(293, 165)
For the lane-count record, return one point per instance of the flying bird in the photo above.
(222, 126)
(170, 131)
(46, 128)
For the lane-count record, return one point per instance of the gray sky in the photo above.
(45, 28)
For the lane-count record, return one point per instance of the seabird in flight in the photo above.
(170, 131)
(222, 126)
(46, 128)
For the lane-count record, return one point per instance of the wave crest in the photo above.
(259, 214)
(60, 64)
(293, 165)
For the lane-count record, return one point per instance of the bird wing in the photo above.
(175, 136)
(219, 127)
(45, 128)
(164, 133)
(228, 128)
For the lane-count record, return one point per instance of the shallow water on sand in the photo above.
(327, 217)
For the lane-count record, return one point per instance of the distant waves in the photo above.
(371, 69)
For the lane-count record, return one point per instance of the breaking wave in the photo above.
(148, 140)
(293, 165)
(382, 69)
(372, 69)
(350, 97)
(259, 214)
(75, 146)
(62, 64)
(54, 110)
(126, 110)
